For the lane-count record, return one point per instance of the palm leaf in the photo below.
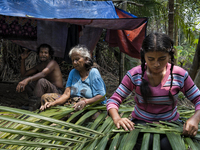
(123, 141)
(115, 142)
(38, 125)
(34, 144)
(131, 139)
(156, 142)
(145, 141)
(103, 142)
(175, 141)
(20, 129)
(191, 143)
(39, 135)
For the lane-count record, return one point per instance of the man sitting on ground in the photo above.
(46, 77)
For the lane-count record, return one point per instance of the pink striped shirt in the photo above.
(159, 105)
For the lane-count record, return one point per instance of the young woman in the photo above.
(84, 82)
(157, 84)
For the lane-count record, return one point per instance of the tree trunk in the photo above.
(176, 29)
(122, 55)
(196, 62)
(171, 23)
(197, 79)
(171, 18)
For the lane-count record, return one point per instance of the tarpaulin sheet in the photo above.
(52, 33)
(60, 9)
(54, 12)
(128, 41)
(100, 14)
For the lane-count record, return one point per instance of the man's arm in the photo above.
(49, 68)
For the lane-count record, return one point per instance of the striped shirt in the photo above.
(159, 106)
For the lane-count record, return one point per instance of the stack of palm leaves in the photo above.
(20, 129)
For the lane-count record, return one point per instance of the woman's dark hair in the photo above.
(89, 64)
(84, 52)
(156, 42)
(51, 51)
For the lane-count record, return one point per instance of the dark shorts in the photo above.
(42, 86)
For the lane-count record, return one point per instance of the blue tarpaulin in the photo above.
(31, 22)
(60, 9)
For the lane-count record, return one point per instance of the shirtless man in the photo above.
(44, 78)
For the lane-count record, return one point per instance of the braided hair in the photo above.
(155, 42)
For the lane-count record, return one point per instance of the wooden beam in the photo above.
(122, 55)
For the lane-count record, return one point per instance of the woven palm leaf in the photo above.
(20, 129)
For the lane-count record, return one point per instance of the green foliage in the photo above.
(186, 18)
(131, 62)
(181, 96)
(196, 41)
(185, 54)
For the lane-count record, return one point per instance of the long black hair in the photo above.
(156, 42)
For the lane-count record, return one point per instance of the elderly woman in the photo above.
(84, 82)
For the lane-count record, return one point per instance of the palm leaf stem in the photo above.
(48, 119)
(39, 135)
(34, 144)
(37, 125)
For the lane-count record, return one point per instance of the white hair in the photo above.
(81, 50)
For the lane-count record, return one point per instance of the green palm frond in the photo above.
(21, 129)
(156, 141)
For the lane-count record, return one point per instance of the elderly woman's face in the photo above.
(78, 61)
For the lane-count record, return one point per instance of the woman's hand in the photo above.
(80, 105)
(190, 128)
(125, 123)
(118, 121)
(46, 105)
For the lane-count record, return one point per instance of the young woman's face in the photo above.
(78, 61)
(156, 61)
(44, 54)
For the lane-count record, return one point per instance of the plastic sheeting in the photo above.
(128, 41)
(125, 30)
(60, 9)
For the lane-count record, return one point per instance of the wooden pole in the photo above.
(122, 55)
